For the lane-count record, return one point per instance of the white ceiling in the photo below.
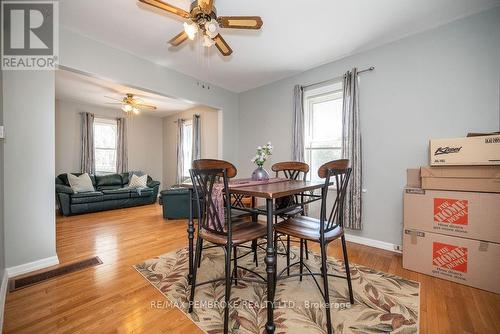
(77, 87)
(297, 34)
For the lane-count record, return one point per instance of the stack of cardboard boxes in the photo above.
(452, 213)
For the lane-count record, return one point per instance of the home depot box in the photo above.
(413, 178)
(465, 178)
(457, 213)
(466, 261)
(483, 150)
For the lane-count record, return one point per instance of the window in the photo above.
(187, 142)
(323, 126)
(105, 138)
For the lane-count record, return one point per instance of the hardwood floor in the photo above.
(113, 297)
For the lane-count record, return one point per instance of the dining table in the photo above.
(270, 192)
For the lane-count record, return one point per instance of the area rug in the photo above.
(383, 302)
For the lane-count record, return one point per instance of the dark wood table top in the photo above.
(272, 190)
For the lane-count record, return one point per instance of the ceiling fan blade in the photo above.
(112, 98)
(240, 22)
(206, 5)
(166, 7)
(221, 44)
(178, 39)
(146, 106)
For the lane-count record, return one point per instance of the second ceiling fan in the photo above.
(202, 18)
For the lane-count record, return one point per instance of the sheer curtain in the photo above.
(87, 161)
(298, 124)
(121, 147)
(351, 149)
(180, 151)
(196, 150)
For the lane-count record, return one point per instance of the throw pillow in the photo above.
(138, 181)
(80, 184)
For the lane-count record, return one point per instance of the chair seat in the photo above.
(243, 231)
(303, 227)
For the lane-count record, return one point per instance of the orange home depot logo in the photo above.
(451, 211)
(449, 257)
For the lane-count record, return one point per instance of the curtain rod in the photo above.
(371, 68)
(183, 119)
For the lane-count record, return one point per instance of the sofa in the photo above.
(110, 192)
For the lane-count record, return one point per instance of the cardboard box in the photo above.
(468, 178)
(465, 151)
(466, 261)
(413, 178)
(457, 213)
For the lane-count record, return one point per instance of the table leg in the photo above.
(190, 231)
(270, 262)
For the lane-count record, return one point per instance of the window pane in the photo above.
(188, 142)
(105, 135)
(326, 116)
(105, 161)
(317, 157)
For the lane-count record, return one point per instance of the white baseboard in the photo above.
(371, 242)
(3, 294)
(32, 266)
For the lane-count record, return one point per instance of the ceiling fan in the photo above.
(203, 18)
(131, 104)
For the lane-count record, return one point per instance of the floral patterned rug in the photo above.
(383, 302)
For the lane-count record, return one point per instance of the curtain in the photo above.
(351, 149)
(196, 151)
(180, 151)
(298, 124)
(87, 161)
(121, 148)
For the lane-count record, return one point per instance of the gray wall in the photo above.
(28, 103)
(2, 245)
(438, 84)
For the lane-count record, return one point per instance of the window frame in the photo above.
(329, 92)
(113, 122)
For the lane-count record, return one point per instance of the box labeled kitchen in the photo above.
(462, 178)
(466, 261)
(457, 213)
(483, 150)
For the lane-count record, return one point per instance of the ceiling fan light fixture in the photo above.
(212, 28)
(127, 108)
(207, 41)
(136, 111)
(190, 29)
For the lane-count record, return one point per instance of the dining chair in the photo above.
(231, 172)
(323, 230)
(221, 232)
(292, 170)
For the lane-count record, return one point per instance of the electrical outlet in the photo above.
(2, 132)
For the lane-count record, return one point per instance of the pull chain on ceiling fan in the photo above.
(202, 18)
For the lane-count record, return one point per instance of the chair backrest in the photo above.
(339, 172)
(231, 170)
(291, 169)
(208, 192)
